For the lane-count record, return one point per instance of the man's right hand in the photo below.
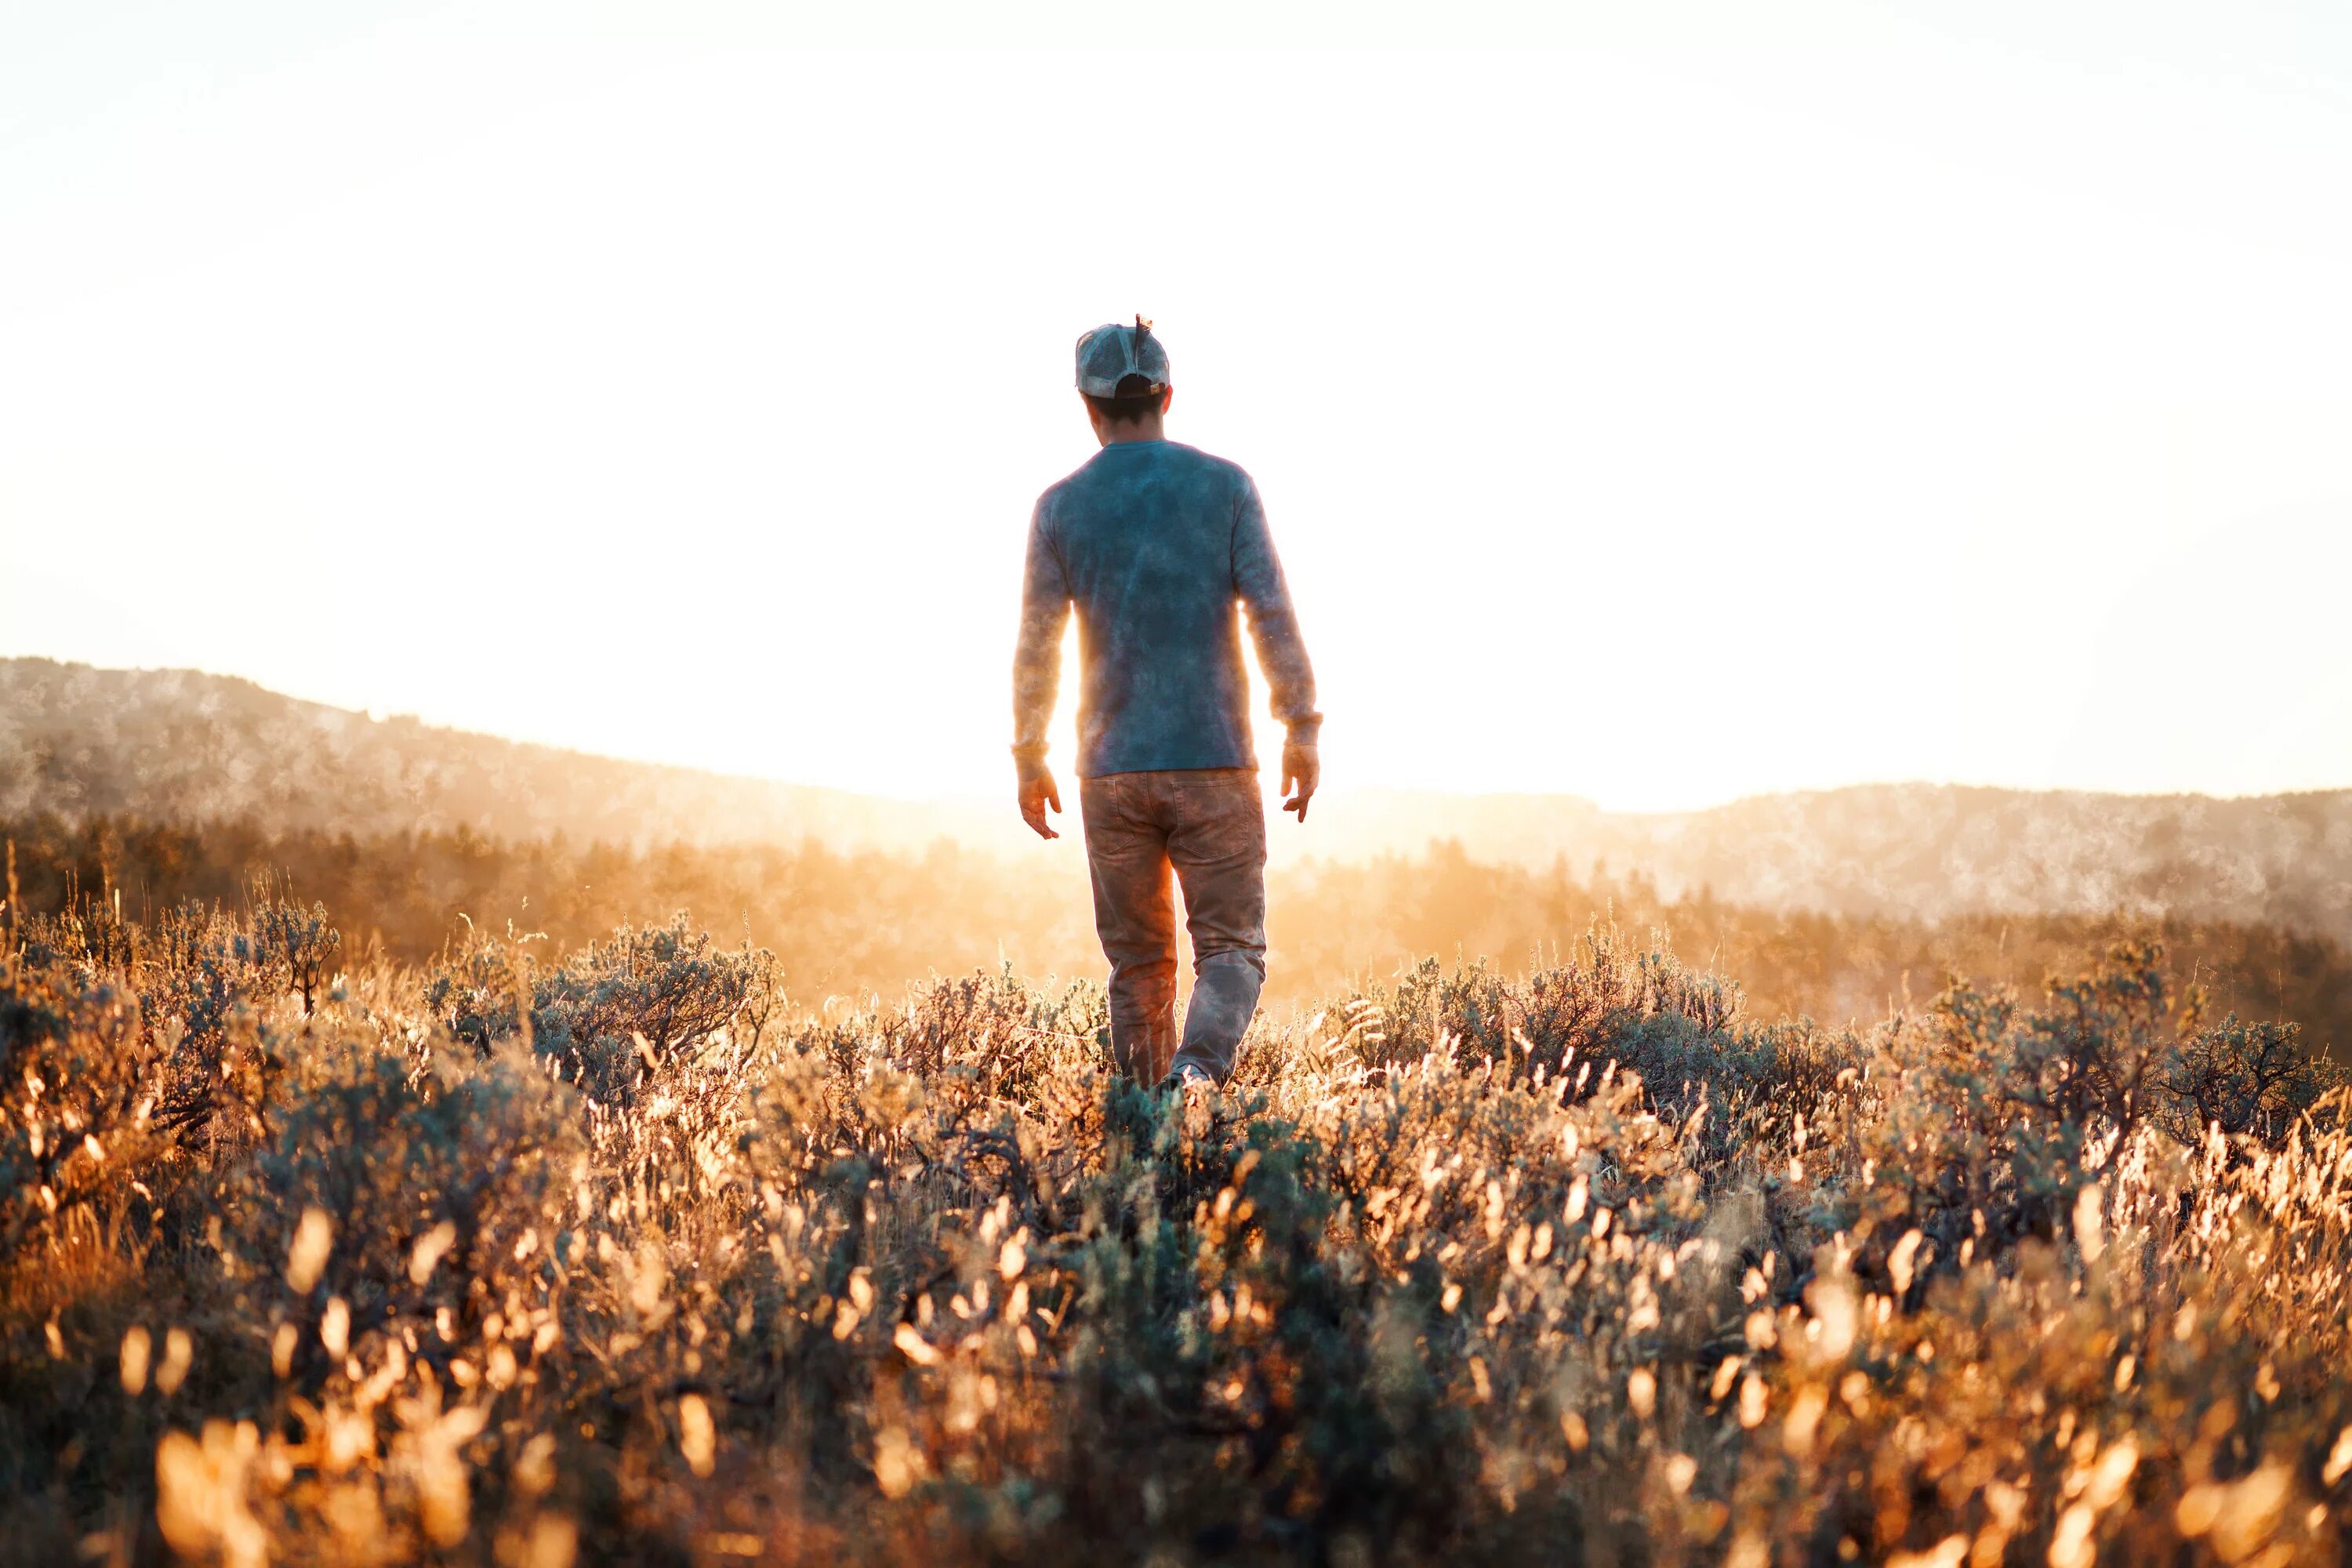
(1037, 793)
(1302, 773)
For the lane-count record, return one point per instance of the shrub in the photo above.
(620, 1257)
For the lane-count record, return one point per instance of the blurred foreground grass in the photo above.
(621, 1254)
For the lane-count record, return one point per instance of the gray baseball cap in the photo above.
(1112, 352)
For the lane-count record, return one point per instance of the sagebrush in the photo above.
(858, 923)
(623, 1255)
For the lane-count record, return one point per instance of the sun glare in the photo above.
(1773, 406)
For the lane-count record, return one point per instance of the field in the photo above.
(526, 1251)
(861, 922)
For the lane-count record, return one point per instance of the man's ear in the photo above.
(1167, 398)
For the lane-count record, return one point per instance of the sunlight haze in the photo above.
(1661, 413)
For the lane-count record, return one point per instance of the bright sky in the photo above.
(1658, 410)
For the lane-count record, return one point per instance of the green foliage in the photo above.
(614, 1008)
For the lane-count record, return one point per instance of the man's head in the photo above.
(1123, 376)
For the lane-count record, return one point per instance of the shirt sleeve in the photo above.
(1037, 655)
(1273, 625)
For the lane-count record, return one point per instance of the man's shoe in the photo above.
(1183, 1075)
(1196, 1089)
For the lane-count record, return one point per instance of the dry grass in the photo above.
(626, 1258)
(858, 923)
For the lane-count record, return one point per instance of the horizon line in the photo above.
(1565, 796)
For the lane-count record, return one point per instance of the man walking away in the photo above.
(1157, 545)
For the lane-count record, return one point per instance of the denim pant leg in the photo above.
(1127, 856)
(1217, 844)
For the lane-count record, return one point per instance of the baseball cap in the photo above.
(1112, 352)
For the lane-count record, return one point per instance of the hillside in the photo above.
(183, 746)
(1933, 851)
(180, 746)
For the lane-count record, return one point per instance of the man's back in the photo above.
(1156, 545)
(1159, 548)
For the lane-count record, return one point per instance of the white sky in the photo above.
(1694, 406)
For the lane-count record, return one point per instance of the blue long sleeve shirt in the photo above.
(1157, 546)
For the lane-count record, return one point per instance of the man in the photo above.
(1157, 546)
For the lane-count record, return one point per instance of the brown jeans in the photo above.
(1209, 823)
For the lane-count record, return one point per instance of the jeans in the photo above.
(1209, 823)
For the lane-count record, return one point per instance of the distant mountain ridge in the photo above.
(180, 745)
(183, 746)
(1935, 850)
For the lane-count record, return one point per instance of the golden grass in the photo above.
(626, 1258)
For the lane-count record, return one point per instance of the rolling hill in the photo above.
(183, 746)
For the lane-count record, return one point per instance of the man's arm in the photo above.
(1037, 673)
(1281, 651)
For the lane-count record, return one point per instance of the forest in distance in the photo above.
(197, 749)
(869, 922)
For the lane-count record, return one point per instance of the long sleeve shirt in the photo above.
(1158, 547)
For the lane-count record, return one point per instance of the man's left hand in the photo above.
(1037, 791)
